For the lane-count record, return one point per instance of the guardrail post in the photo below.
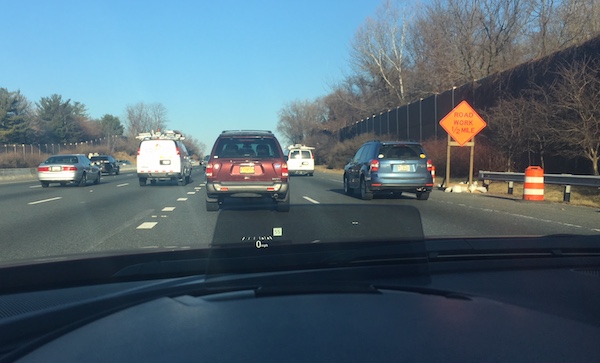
(567, 194)
(511, 186)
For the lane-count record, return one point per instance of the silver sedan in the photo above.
(68, 168)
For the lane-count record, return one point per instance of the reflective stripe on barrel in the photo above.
(534, 183)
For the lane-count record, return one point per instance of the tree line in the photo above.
(406, 52)
(54, 120)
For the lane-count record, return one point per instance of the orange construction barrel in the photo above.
(534, 183)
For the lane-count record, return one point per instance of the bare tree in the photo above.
(378, 49)
(300, 119)
(143, 117)
(507, 123)
(432, 56)
(576, 102)
(459, 41)
(351, 100)
(556, 25)
(194, 146)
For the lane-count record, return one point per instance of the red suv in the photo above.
(247, 163)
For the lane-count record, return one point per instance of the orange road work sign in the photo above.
(463, 123)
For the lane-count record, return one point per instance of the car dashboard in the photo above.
(465, 300)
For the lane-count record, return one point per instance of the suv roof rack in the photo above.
(241, 131)
(160, 135)
(396, 141)
(300, 146)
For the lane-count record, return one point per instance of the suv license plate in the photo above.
(402, 167)
(247, 169)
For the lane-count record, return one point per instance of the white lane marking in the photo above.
(337, 180)
(191, 193)
(203, 184)
(44, 200)
(122, 185)
(35, 186)
(181, 199)
(147, 225)
(522, 216)
(311, 200)
(198, 188)
(168, 209)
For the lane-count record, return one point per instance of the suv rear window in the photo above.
(99, 158)
(300, 154)
(400, 152)
(246, 147)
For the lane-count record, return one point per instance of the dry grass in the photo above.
(16, 160)
(585, 196)
(324, 169)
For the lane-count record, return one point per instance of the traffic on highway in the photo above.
(118, 215)
(298, 181)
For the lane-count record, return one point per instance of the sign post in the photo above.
(462, 124)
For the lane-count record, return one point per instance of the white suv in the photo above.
(301, 160)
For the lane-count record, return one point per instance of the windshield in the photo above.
(352, 121)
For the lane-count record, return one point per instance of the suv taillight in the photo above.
(374, 165)
(284, 170)
(211, 168)
(138, 151)
(429, 165)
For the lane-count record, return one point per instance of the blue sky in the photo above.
(214, 65)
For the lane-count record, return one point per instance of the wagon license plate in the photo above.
(56, 168)
(247, 169)
(402, 168)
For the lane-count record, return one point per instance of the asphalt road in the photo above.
(119, 215)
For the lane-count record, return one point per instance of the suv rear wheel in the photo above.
(347, 189)
(212, 206)
(423, 195)
(284, 204)
(365, 193)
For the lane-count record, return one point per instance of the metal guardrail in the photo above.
(567, 180)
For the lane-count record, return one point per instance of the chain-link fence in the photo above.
(110, 143)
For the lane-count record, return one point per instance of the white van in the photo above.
(162, 156)
(301, 160)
